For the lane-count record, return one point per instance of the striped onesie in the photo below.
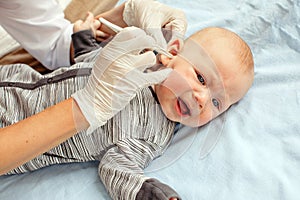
(124, 146)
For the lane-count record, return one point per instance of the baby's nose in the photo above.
(202, 97)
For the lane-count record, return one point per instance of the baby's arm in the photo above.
(84, 36)
(121, 171)
(83, 43)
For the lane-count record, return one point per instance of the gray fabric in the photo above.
(152, 189)
(124, 146)
(84, 42)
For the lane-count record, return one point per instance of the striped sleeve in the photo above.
(121, 168)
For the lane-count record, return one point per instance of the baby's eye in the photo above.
(201, 79)
(216, 103)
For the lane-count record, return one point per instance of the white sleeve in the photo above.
(40, 27)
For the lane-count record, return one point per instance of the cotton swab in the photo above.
(117, 29)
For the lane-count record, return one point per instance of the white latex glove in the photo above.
(117, 75)
(152, 16)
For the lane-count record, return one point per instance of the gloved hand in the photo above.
(151, 16)
(117, 75)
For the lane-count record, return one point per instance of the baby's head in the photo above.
(213, 70)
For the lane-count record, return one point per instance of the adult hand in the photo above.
(117, 75)
(152, 16)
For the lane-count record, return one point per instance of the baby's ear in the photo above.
(174, 46)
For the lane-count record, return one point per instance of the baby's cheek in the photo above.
(176, 83)
(206, 117)
(168, 110)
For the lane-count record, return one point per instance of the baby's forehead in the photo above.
(195, 54)
(229, 54)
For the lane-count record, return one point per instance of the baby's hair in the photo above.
(241, 48)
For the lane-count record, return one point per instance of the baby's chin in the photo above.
(193, 124)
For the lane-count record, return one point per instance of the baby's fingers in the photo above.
(89, 18)
(102, 36)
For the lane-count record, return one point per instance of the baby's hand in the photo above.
(90, 23)
(154, 189)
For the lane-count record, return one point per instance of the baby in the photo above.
(213, 70)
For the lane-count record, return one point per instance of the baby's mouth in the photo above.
(183, 108)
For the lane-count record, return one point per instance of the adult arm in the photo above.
(40, 28)
(23, 141)
(43, 31)
(28, 138)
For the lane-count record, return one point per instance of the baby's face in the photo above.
(201, 87)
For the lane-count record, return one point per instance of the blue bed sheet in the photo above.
(257, 155)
